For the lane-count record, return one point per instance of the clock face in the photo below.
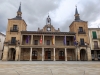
(48, 29)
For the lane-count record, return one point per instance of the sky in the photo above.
(61, 12)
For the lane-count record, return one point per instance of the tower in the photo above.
(13, 36)
(80, 27)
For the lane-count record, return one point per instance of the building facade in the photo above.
(94, 35)
(48, 43)
(2, 39)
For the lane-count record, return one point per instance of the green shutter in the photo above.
(94, 35)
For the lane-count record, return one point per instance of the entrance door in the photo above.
(12, 54)
(61, 55)
(83, 55)
(48, 55)
(34, 55)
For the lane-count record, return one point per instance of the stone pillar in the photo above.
(21, 39)
(78, 54)
(43, 39)
(54, 40)
(5, 53)
(89, 54)
(31, 39)
(54, 54)
(17, 54)
(31, 54)
(65, 54)
(95, 54)
(42, 54)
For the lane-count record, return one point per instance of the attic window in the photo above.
(48, 28)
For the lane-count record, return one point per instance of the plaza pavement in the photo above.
(49, 68)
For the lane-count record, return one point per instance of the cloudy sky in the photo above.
(61, 12)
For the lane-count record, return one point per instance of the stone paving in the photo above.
(49, 68)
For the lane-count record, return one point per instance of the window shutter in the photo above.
(94, 35)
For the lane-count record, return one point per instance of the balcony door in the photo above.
(95, 44)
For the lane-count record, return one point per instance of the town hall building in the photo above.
(48, 43)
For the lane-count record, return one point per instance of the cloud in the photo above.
(35, 12)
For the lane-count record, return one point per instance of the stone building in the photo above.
(94, 35)
(2, 39)
(47, 43)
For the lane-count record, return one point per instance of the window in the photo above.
(48, 29)
(14, 27)
(81, 41)
(94, 35)
(13, 40)
(48, 42)
(35, 42)
(80, 29)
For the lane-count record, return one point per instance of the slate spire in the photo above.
(77, 17)
(19, 10)
(19, 13)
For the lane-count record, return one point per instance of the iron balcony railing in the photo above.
(96, 46)
(14, 29)
(81, 32)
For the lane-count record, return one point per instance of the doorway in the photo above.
(48, 55)
(83, 55)
(61, 55)
(34, 55)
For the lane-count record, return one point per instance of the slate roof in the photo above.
(56, 33)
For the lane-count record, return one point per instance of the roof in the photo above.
(94, 28)
(2, 34)
(17, 18)
(38, 32)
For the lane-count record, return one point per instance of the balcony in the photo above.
(12, 43)
(14, 29)
(96, 47)
(81, 32)
(83, 44)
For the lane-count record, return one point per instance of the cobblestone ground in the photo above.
(49, 68)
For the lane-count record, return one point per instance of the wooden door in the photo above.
(34, 55)
(61, 55)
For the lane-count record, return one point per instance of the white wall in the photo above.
(2, 39)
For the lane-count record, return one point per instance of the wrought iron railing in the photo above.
(81, 32)
(14, 29)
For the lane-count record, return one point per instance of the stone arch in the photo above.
(34, 55)
(61, 55)
(11, 54)
(83, 55)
